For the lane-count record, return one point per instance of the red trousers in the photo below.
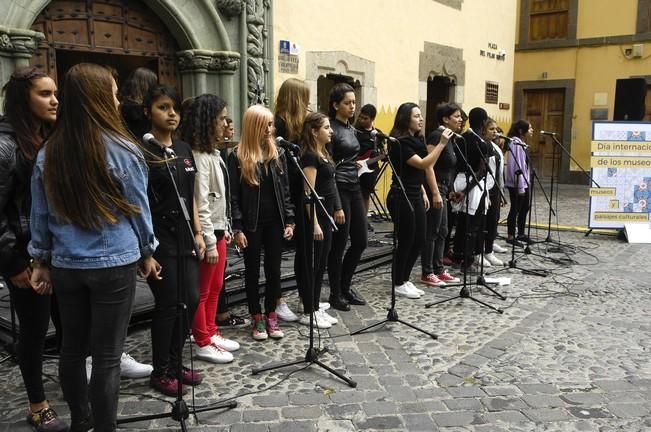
(211, 282)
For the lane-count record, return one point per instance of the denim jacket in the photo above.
(65, 245)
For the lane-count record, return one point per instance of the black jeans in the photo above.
(33, 313)
(431, 260)
(320, 250)
(342, 267)
(519, 209)
(492, 219)
(95, 306)
(165, 324)
(269, 234)
(466, 237)
(300, 257)
(408, 228)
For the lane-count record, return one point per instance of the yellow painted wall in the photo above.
(606, 18)
(595, 70)
(392, 33)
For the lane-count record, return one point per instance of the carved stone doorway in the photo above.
(325, 83)
(439, 89)
(118, 33)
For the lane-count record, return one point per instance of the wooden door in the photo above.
(647, 102)
(544, 110)
(123, 34)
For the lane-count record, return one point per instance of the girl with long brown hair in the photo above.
(290, 110)
(319, 170)
(30, 108)
(262, 213)
(91, 230)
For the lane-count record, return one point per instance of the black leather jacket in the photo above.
(15, 203)
(344, 148)
(245, 199)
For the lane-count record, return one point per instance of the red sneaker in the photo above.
(447, 277)
(447, 261)
(168, 385)
(431, 279)
(189, 376)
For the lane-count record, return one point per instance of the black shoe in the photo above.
(369, 227)
(46, 420)
(339, 303)
(354, 298)
(524, 239)
(233, 321)
(515, 242)
(82, 426)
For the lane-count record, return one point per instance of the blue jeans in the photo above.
(95, 307)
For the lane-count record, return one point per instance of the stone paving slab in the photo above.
(571, 352)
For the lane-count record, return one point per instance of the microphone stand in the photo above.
(466, 286)
(180, 411)
(513, 261)
(392, 315)
(551, 190)
(312, 354)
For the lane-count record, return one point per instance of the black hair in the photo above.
(159, 91)
(402, 120)
(337, 94)
(477, 116)
(519, 128)
(229, 120)
(198, 129)
(138, 84)
(369, 110)
(445, 109)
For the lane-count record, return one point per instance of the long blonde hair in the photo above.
(291, 106)
(255, 146)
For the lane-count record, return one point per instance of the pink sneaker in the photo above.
(166, 384)
(447, 277)
(273, 330)
(189, 376)
(259, 330)
(431, 279)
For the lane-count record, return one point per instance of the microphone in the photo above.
(442, 128)
(375, 134)
(500, 136)
(149, 139)
(548, 133)
(288, 146)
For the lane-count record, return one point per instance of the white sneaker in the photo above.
(499, 249)
(223, 343)
(327, 317)
(324, 306)
(285, 313)
(478, 261)
(491, 258)
(319, 322)
(89, 367)
(213, 354)
(414, 288)
(405, 291)
(130, 368)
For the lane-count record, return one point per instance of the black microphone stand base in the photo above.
(464, 293)
(311, 358)
(392, 316)
(180, 412)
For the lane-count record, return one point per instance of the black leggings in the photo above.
(342, 267)
(431, 260)
(492, 219)
(269, 234)
(165, 326)
(33, 313)
(466, 243)
(321, 251)
(519, 209)
(409, 229)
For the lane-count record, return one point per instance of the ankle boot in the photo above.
(339, 303)
(353, 297)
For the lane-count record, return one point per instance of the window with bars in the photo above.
(492, 92)
(548, 19)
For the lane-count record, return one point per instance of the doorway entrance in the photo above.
(439, 89)
(325, 83)
(121, 34)
(544, 109)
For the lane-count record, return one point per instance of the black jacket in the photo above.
(344, 149)
(15, 203)
(245, 199)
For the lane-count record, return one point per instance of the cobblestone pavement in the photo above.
(571, 352)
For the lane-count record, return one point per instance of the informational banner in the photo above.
(621, 165)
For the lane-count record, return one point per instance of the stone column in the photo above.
(16, 48)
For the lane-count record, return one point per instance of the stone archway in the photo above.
(324, 63)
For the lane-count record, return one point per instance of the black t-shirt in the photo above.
(268, 210)
(446, 164)
(325, 184)
(412, 178)
(169, 223)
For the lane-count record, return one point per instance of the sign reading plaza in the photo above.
(621, 165)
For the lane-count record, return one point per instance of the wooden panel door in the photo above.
(647, 102)
(544, 109)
